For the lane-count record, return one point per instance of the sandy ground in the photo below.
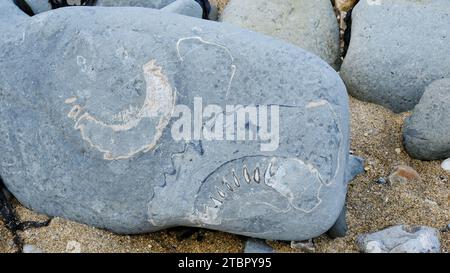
(6, 240)
(376, 136)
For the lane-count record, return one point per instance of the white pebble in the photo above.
(31, 249)
(446, 165)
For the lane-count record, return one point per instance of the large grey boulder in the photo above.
(311, 25)
(88, 125)
(427, 132)
(397, 48)
(401, 239)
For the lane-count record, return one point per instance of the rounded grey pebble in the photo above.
(426, 132)
(311, 25)
(397, 48)
(382, 181)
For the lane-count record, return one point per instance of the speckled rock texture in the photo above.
(427, 132)
(397, 48)
(311, 25)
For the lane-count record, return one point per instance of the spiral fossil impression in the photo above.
(137, 133)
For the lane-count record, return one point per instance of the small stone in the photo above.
(401, 239)
(185, 7)
(73, 247)
(446, 165)
(257, 246)
(304, 246)
(31, 249)
(403, 174)
(381, 181)
(398, 151)
(355, 167)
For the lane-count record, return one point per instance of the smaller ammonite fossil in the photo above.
(283, 184)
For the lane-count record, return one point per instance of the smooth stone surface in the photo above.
(10, 14)
(355, 167)
(185, 7)
(39, 6)
(182, 7)
(397, 48)
(426, 133)
(340, 228)
(311, 25)
(257, 246)
(401, 239)
(86, 135)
